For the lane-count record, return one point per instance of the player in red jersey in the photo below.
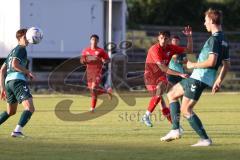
(94, 58)
(156, 68)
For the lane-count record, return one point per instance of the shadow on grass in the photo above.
(63, 112)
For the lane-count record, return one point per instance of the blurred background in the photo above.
(68, 24)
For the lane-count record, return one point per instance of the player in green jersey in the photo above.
(14, 88)
(214, 53)
(176, 62)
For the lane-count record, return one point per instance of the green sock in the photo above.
(3, 117)
(175, 114)
(26, 115)
(196, 124)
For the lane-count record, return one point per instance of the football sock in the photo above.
(18, 128)
(175, 114)
(94, 101)
(100, 91)
(3, 117)
(153, 102)
(196, 124)
(166, 113)
(148, 113)
(25, 117)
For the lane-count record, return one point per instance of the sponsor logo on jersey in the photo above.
(25, 88)
(21, 97)
(193, 88)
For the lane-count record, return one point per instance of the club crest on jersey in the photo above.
(168, 54)
(96, 53)
(88, 53)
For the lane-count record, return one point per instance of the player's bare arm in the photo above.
(174, 57)
(210, 62)
(19, 68)
(188, 32)
(221, 76)
(83, 60)
(2, 79)
(167, 70)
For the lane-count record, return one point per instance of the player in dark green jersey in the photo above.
(214, 53)
(176, 62)
(14, 88)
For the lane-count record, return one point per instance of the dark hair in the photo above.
(165, 33)
(94, 36)
(214, 15)
(20, 33)
(176, 37)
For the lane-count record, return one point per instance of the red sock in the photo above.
(100, 91)
(166, 113)
(153, 103)
(94, 101)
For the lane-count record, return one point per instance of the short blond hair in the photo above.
(214, 15)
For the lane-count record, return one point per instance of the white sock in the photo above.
(18, 128)
(148, 113)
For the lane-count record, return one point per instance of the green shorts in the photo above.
(174, 79)
(193, 88)
(17, 91)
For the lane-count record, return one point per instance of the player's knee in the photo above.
(31, 109)
(186, 113)
(170, 95)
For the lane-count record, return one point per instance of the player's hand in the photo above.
(3, 94)
(190, 65)
(83, 60)
(216, 87)
(187, 31)
(183, 75)
(31, 76)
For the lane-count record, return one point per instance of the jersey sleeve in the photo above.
(225, 50)
(84, 52)
(5, 62)
(177, 49)
(214, 46)
(20, 54)
(104, 55)
(156, 57)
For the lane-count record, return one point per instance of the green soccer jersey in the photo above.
(20, 53)
(178, 64)
(216, 44)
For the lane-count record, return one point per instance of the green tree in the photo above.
(180, 12)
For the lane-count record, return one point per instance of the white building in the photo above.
(67, 25)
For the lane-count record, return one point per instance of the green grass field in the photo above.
(119, 134)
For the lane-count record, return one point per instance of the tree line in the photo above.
(180, 13)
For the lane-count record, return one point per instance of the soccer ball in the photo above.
(34, 35)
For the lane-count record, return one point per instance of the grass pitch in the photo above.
(57, 132)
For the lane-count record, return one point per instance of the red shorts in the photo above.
(152, 81)
(93, 80)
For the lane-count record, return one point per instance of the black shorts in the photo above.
(193, 88)
(17, 91)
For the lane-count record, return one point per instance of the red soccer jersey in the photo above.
(94, 69)
(156, 54)
(100, 54)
